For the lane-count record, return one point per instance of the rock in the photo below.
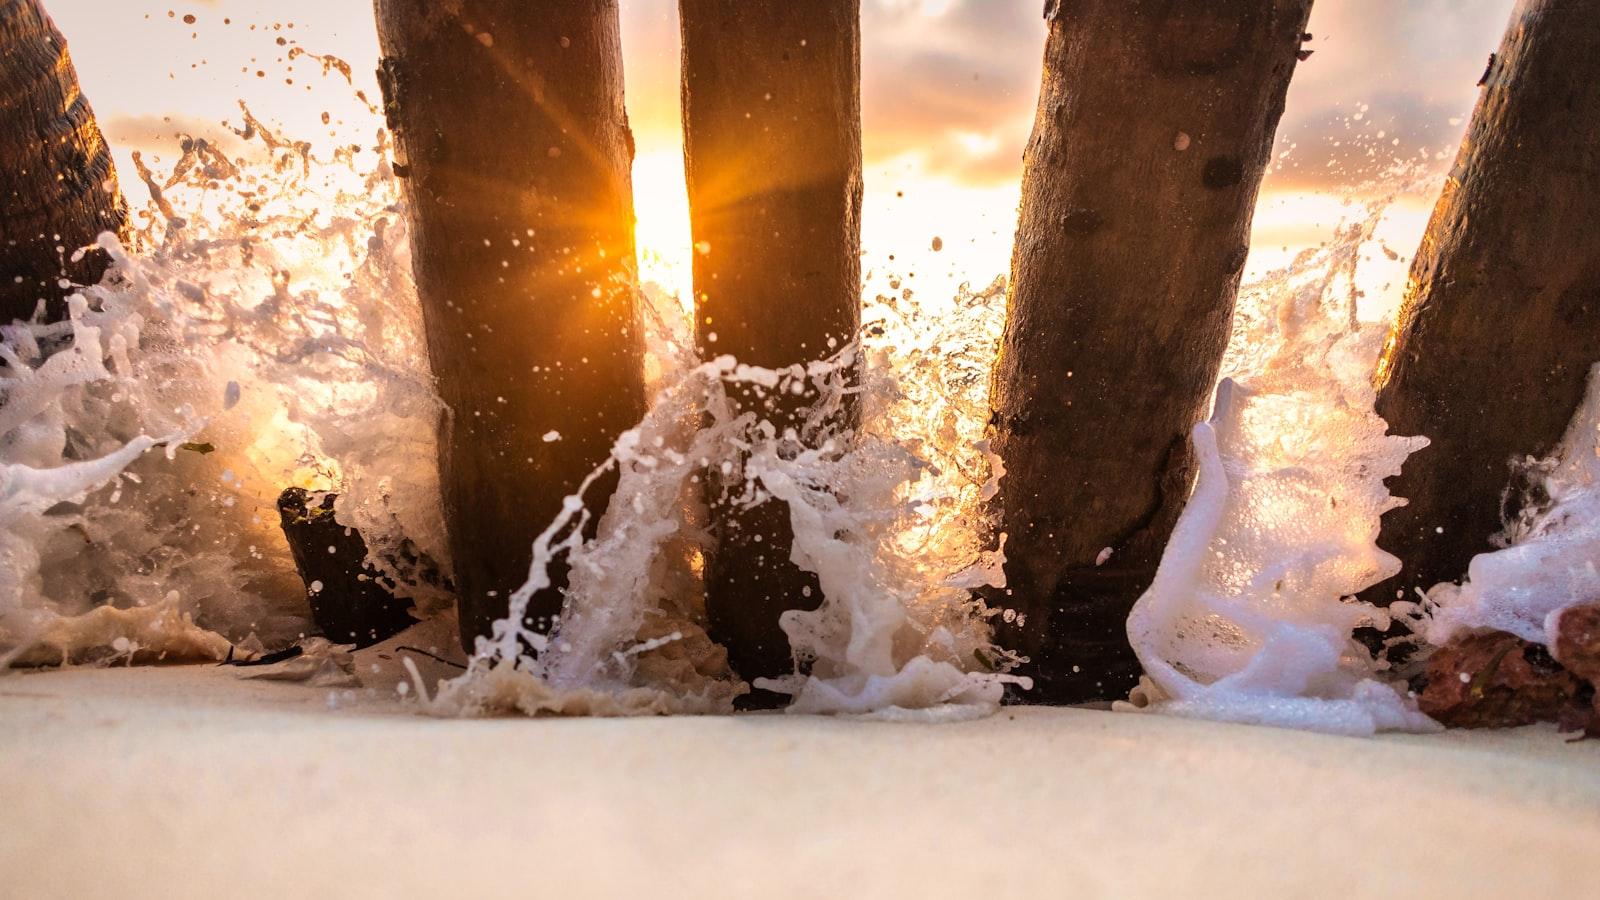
(1498, 680)
(1577, 645)
(1578, 650)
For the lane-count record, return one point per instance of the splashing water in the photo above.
(1549, 553)
(897, 633)
(1251, 614)
(265, 333)
(279, 345)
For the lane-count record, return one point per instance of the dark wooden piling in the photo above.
(1155, 122)
(58, 187)
(515, 154)
(1500, 324)
(772, 141)
(351, 602)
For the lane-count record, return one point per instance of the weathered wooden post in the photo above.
(515, 153)
(1501, 320)
(58, 188)
(1155, 121)
(351, 602)
(772, 150)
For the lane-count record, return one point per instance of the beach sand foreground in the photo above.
(190, 782)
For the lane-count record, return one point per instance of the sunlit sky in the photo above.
(948, 91)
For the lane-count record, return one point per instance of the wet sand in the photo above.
(189, 782)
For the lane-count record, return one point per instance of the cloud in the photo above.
(935, 74)
(949, 84)
(1406, 70)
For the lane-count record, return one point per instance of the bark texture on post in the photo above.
(58, 188)
(516, 158)
(1155, 122)
(1501, 321)
(772, 151)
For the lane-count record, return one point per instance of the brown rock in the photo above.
(1581, 719)
(351, 602)
(1578, 641)
(1498, 680)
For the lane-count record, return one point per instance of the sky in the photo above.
(948, 94)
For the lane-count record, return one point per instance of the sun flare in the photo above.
(661, 230)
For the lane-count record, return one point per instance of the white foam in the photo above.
(1251, 613)
(895, 633)
(1552, 550)
(263, 328)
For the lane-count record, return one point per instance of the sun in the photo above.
(661, 230)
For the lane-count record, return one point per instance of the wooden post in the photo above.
(351, 602)
(58, 188)
(1501, 320)
(516, 155)
(1155, 121)
(772, 152)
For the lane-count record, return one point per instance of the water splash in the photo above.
(1549, 551)
(263, 329)
(265, 333)
(896, 631)
(1251, 614)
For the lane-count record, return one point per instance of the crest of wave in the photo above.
(897, 636)
(263, 331)
(1251, 613)
(1549, 551)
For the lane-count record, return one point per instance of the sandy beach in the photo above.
(190, 782)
